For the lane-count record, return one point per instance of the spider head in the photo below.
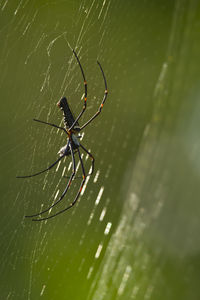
(65, 150)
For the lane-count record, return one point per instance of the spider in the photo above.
(73, 145)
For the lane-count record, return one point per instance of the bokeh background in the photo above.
(134, 234)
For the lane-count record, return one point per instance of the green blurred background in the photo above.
(140, 239)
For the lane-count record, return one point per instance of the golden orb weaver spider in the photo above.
(72, 129)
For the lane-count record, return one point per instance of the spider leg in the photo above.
(51, 124)
(103, 101)
(47, 169)
(92, 158)
(63, 194)
(76, 198)
(85, 96)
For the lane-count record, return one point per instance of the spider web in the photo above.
(134, 231)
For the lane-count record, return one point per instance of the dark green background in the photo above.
(146, 146)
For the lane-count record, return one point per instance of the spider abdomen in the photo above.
(68, 115)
